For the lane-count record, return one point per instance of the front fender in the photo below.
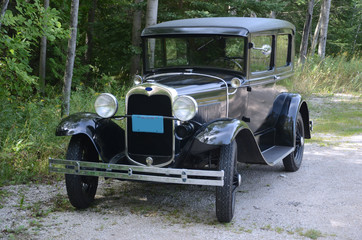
(220, 132)
(216, 133)
(107, 137)
(223, 132)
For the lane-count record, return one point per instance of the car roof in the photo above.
(240, 26)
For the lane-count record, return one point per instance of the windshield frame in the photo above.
(147, 70)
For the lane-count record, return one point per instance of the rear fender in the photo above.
(285, 127)
(107, 137)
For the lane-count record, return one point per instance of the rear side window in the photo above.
(260, 53)
(282, 54)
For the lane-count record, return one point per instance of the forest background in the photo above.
(107, 52)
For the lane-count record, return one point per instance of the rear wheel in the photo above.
(81, 189)
(294, 160)
(225, 195)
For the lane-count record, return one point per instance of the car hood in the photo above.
(186, 83)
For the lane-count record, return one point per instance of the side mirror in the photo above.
(265, 49)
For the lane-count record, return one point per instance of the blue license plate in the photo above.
(146, 123)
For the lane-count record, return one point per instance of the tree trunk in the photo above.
(324, 29)
(89, 39)
(151, 14)
(68, 74)
(315, 36)
(43, 56)
(136, 39)
(273, 14)
(151, 19)
(306, 30)
(356, 37)
(3, 10)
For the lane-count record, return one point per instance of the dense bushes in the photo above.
(19, 35)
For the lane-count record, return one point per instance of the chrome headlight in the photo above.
(106, 105)
(184, 108)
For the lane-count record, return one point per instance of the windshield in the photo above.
(196, 51)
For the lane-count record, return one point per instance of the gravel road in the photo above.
(322, 200)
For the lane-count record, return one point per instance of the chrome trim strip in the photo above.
(139, 173)
(198, 74)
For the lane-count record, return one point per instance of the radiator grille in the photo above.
(143, 144)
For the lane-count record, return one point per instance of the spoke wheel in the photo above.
(81, 189)
(294, 160)
(225, 195)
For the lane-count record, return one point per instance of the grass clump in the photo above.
(339, 74)
(3, 195)
(311, 233)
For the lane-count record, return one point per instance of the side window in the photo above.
(282, 51)
(260, 53)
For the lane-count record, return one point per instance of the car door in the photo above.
(261, 88)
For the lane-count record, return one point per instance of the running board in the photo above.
(275, 154)
(139, 173)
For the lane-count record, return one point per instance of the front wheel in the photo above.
(81, 189)
(225, 195)
(293, 161)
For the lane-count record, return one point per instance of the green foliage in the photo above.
(19, 35)
(112, 42)
(345, 30)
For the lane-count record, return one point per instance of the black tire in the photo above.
(225, 195)
(293, 161)
(81, 189)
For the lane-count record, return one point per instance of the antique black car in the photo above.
(212, 94)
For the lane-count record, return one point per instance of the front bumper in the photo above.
(138, 173)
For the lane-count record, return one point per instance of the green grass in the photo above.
(27, 134)
(337, 116)
(339, 74)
